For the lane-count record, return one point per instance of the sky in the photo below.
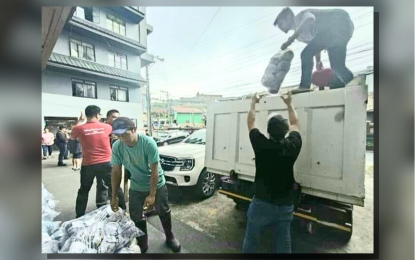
(225, 50)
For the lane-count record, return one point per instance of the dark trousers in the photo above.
(337, 57)
(63, 152)
(46, 149)
(102, 172)
(161, 206)
(101, 187)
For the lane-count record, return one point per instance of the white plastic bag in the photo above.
(276, 70)
(50, 247)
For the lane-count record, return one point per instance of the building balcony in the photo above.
(146, 59)
(90, 29)
(65, 63)
(133, 13)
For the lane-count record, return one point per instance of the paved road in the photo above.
(214, 224)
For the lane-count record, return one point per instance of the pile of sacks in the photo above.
(101, 231)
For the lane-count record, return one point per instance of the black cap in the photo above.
(121, 125)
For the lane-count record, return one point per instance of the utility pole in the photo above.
(149, 121)
(167, 104)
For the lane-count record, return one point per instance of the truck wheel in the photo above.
(345, 236)
(206, 184)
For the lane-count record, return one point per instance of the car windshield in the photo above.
(198, 137)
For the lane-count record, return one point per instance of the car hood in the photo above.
(183, 150)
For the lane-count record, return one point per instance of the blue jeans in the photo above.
(262, 214)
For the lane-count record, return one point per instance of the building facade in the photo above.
(188, 116)
(97, 60)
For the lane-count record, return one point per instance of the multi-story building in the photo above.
(97, 60)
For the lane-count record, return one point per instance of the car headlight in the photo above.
(187, 164)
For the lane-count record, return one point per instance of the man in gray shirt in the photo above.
(328, 29)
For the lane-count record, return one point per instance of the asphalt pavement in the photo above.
(214, 225)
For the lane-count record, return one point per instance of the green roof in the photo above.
(60, 60)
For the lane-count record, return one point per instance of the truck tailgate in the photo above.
(331, 163)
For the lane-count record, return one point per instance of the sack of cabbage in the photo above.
(277, 69)
(101, 231)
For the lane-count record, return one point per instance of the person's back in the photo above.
(94, 138)
(96, 148)
(330, 24)
(274, 161)
(272, 205)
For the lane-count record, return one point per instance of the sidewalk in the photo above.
(64, 183)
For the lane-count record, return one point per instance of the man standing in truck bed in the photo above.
(325, 29)
(274, 178)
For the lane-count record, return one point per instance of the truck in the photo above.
(330, 166)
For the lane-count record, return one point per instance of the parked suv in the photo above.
(184, 165)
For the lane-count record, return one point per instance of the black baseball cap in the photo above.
(121, 125)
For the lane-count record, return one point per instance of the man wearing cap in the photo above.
(274, 179)
(139, 154)
(320, 29)
(94, 138)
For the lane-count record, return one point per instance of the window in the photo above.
(82, 88)
(117, 60)
(95, 15)
(116, 25)
(198, 137)
(82, 50)
(87, 13)
(118, 93)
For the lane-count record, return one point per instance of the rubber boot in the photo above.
(171, 242)
(142, 241)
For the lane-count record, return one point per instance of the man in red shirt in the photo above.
(94, 138)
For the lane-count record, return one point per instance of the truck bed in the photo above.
(331, 163)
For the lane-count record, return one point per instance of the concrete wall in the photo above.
(61, 84)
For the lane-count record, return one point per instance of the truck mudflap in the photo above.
(312, 209)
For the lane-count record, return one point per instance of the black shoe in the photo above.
(62, 164)
(174, 245)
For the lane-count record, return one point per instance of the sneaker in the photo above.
(44, 158)
(62, 164)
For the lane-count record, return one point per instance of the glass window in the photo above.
(118, 93)
(82, 50)
(116, 25)
(82, 88)
(124, 62)
(111, 59)
(117, 61)
(122, 95)
(95, 15)
(198, 137)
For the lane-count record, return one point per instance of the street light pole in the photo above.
(149, 121)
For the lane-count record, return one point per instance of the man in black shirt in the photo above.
(275, 156)
(320, 29)
(62, 142)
